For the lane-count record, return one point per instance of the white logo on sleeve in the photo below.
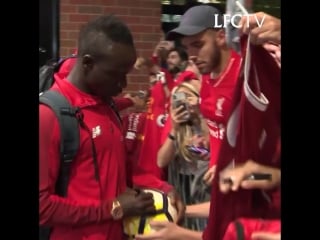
(233, 125)
(96, 131)
(130, 135)
(219, 103)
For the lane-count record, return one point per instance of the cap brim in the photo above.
(184, 31)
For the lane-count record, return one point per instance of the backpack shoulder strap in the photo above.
(239, 230)
(62, 60)
(69, 131)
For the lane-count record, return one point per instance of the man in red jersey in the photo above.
(156, 115)
(97, 195)
(207, 48)
(121, 103)
(253, 132)
(253, 142)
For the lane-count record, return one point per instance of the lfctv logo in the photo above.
(234, 20)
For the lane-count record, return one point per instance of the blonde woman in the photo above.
(186, 150)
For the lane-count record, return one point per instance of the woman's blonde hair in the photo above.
(188, 129)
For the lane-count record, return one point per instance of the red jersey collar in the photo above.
(232, 58)
(75, 96)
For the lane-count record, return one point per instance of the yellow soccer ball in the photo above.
(140, 224)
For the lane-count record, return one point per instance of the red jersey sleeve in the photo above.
(148, 180)
(123, 103)
(53, 209)
(155, 59)
(128, 144)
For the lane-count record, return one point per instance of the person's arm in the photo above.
(240, 173)
(146, 180)
(155, 59)
(166, 151)
(265, 236)
(123, 103)
(53, 209)
(161, 46)
(200, 210)
(168, 231)
(190, 234)
(275, 52)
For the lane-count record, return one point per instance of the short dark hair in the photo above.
(97, 33)
(181, 52)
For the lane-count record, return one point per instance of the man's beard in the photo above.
(174, 70)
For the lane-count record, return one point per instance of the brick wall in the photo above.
(142, 16)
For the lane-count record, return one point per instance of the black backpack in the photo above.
(47, 71)
(69, 127)
(70, 138)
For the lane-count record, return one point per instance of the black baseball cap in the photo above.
(196, 20)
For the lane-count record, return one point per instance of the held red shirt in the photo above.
(252, 132)
(85, 212)
(215, 102)
(134, 125)
(156, 116)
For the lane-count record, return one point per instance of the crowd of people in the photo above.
(206, 132)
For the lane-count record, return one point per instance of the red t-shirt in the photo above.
(252, 132)
(85, 212)
(215, 102)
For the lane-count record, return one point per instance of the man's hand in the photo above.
(163, 46)
(231, 179)
(176, 201)
(275, 52)
(178, 115)
(265, 236)
(136, 203)
(164, 231)
(192, 67)
(209, 175)
(268, 31)
(138, 102)
(200, 141)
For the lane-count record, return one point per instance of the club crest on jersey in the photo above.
(96, 131)
(219, 103)
(161, 120)
(130, 135)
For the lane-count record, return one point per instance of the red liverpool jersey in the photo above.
(156, 116)
(252, 132)
(215, 102)
(134, 125)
